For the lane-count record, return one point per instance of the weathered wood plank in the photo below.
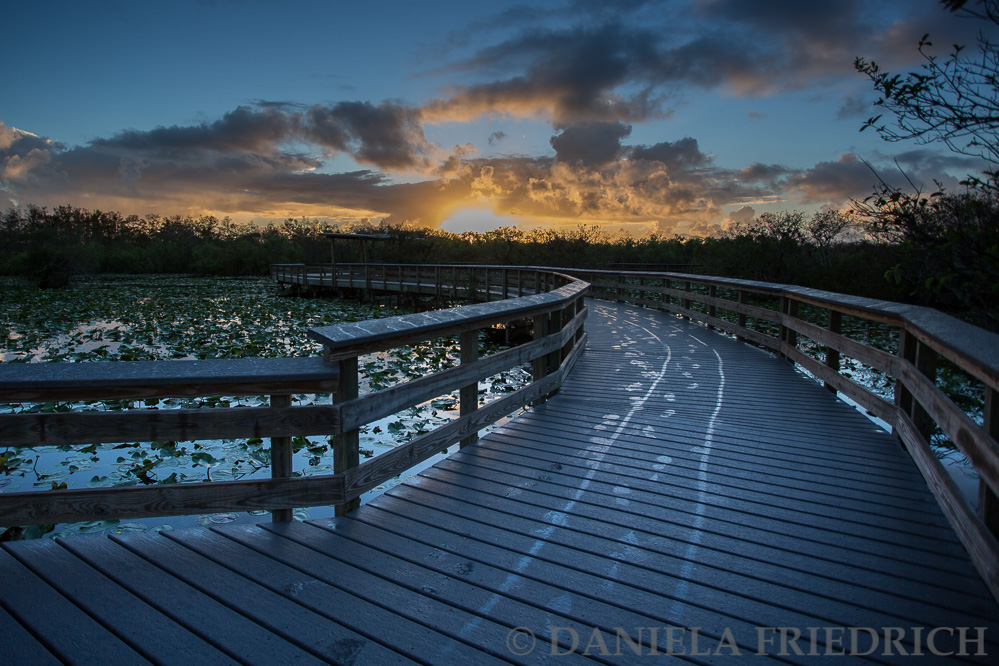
(125, 380)
(209, 617)
(369, 474)
(221, 569)
(74, 505)
(976, 445)
(981, 544)
(149, 632)
(20, 647)
(418, 624)
(147, 425)
(377, 335)
(35, 604)
(876, 358)
(855, 392)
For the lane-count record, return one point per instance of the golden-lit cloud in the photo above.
(593, 72)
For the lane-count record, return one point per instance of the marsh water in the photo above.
(133, 318)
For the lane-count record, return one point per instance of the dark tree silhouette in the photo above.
(954, 99)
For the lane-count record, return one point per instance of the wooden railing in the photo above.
(554, 303)
(772, 315)
(444, 281)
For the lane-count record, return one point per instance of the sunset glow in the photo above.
(667, 116)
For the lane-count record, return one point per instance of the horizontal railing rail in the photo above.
(444, 281)
(770, 315)
(552, 301)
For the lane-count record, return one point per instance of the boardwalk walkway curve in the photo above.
(682, 492)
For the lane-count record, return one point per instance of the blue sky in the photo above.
(666, 116)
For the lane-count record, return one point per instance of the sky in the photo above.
(637, 116)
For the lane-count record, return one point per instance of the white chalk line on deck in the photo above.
(558, 518)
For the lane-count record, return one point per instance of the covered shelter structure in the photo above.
(364, 239)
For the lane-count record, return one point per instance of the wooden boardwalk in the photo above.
(683, 492)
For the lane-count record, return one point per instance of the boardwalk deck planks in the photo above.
(678, 478)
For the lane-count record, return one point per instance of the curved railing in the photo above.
(552, 301)
(786, 319)
(772, 315)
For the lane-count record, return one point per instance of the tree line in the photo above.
(943, 252)
(939, 249)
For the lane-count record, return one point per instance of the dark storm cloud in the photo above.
(583, 63)
(681, 154)
(590, 144)
(838, 181)
(242, 130)
(572, 75)
(817, 20)
(387, 135)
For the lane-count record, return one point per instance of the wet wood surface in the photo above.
(679, 479)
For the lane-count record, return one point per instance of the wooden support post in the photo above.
(345, 446)
(555, 324)
(925, 360)
(926, 363)
(906, 350)
(743, 319)
(506, 284)
(539, 368)
(281, 459)
(988, 503)
(712, 310)
(620, 289)
(686, 301)
(832, 355)
(788, 308)
(468, 396)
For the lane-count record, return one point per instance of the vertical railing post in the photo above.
(539, 368)
(906, 351)
(988, 503)
(832, 354)
(925, 360)
(743, 319)
(281, 459)
(787, 336)
(620, 289)
(712, 310)
(346, 453)
(555, 324)
(686, 301)
(468, 396)
(506, 284)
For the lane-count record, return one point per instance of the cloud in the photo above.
(388, 136)
(569, 75)
(243, 130)
(681, 154)
(590, 144)
(834, 181)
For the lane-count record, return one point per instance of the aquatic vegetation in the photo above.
(182, 317)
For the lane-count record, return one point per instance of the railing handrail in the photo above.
(378, 334)
(559, 339)
(976, 350)
(918, 402)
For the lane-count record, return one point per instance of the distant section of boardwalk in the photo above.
(683, 492)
